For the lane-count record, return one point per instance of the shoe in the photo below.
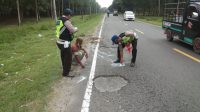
(122, 65)
(70, 76)
(66, 75)
(132, 64)
(117, 61)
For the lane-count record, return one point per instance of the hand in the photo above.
(86, 55)
(76, 29)
(82, 66)
(120, 40)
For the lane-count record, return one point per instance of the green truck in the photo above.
(181, 20)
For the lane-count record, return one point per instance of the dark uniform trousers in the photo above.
(66, 58)
(134, 50)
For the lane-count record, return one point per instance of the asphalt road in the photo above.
(163, 79)
(166, 77)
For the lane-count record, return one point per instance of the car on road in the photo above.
(129, 15)
(115, 13)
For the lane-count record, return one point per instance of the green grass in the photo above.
(30, 64)
(151, 19)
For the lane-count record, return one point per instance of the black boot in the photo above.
(132, 64)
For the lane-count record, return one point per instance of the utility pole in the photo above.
(54, 10)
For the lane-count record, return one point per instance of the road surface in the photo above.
(166, 77)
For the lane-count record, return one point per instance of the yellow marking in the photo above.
(139, 31)
(187, 55)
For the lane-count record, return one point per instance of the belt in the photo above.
(60, 41)
(65, 43)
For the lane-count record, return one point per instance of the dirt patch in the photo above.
(63, 90)
(91, 39)
(60, 96)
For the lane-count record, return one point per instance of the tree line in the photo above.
(45, 8)
(144, 7)
(140, 7)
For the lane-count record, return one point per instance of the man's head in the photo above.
(67, 12)
(114, 39)
(79, 42)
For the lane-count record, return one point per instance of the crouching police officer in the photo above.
(64, 33)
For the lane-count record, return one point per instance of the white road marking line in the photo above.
(82, 78)
(139, 31)
(100, 56)
(88, 91)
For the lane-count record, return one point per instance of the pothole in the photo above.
(110, 83)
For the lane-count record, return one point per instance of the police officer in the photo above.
(64, 33)
(128, 37)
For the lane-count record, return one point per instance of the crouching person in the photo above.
(78, 52)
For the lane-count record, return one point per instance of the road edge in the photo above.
(88, 91)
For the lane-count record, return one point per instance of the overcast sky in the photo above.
(105, 3)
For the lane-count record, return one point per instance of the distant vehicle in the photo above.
(182, 20)
(115, 13)
(129, 15)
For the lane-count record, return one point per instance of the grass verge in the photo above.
(30, 62)
(151, 20)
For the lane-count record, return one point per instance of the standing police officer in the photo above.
(64, 33)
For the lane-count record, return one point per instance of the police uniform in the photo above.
(126, 37)
(64, 33)
(133, 41)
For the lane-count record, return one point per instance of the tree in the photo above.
(54, 10)
(21, 9)
(144, 7)
(18, 12)
(36, 10)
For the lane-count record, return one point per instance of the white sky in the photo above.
(105, 3)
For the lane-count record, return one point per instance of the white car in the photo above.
(129, 15)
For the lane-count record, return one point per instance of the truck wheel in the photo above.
(196, 45)
(169, 35)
